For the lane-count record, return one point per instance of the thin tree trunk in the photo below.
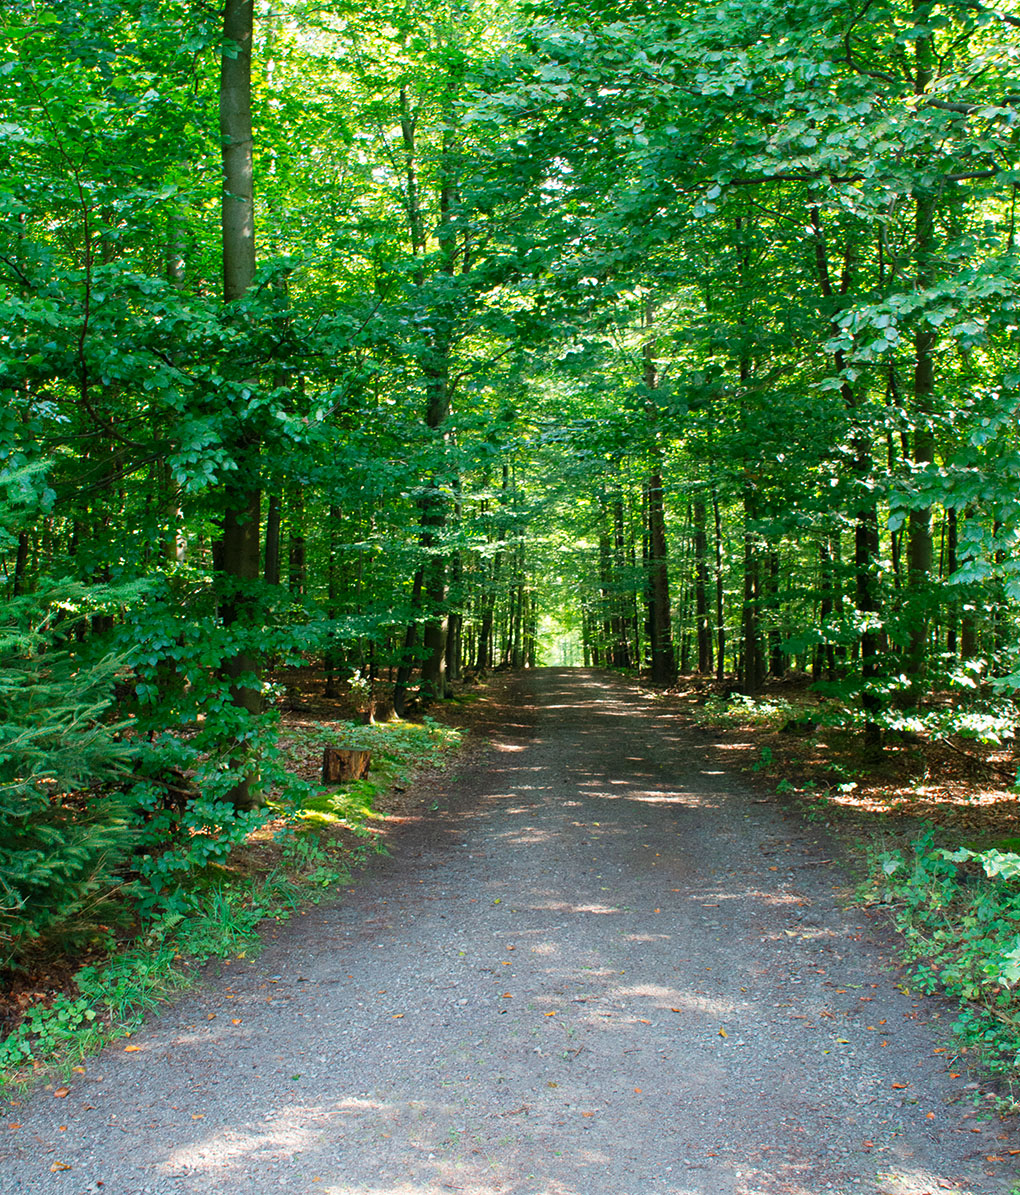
(720, 623)
(407, 656)
(271, 570)
(866, 542)
(704, 631)
(751, 670)
(297, 571)
(332, 660)
(661, 634)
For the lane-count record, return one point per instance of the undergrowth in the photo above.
(957, 906)
(214, 898)
(959, 913)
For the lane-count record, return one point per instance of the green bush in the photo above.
(960, 913)
(64, 831)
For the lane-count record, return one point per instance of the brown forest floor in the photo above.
(960, 789)
(964, 789)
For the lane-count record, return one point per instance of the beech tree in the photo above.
(690, 331)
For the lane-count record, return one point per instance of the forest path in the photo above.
(530, 998)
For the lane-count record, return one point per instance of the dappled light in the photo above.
(532, 469)
(594, 972)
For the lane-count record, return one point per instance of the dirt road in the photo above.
(602, 967)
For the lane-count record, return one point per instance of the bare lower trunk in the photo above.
(239, 537)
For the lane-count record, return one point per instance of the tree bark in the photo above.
(239, 537)
(720, 624)
(661, 632)
(271, 569)
(866, 541)
(704, 631)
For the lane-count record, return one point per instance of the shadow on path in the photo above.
(602, 969)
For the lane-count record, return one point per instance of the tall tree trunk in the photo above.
(407, 656)
(751, 670)
(332, 660)
(920, 547)
(704, 630)
(866, 542)
(824, 658)
(720, 623)
(951, 549)
(621, 621)
(297, 565)
(606, 588)
(436, 370)
(661, 633)
(777, 660)
(969, 640)
(238, 548)
(271, 568)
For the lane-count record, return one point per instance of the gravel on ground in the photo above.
(601, 966)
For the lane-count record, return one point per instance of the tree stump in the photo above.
(340, 765)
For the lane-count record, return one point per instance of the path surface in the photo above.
(531, 998)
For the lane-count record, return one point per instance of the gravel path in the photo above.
(601, 968)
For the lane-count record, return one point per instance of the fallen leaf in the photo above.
(131, 1049)
(674, 1010)
(993, 1158)
(930, 1116)
(235, 1020)
(901, 1086)
(15, 1124)
(723, 1033)
(954, 1074)
(507, 996)
(211, 1017)
(550, 1014)
(587, 1115)
(642, 1021)
(396, 1016)
(62, 1093)
(59, 1166)
(78, 1070)
(198, 1116)
(62, 1128)
(637, 1090)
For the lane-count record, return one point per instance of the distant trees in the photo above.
(691, 329)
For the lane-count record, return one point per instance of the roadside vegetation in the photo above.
(932, 832)
(401, 340)
(195, 886)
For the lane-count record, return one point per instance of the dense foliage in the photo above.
(467, 335)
